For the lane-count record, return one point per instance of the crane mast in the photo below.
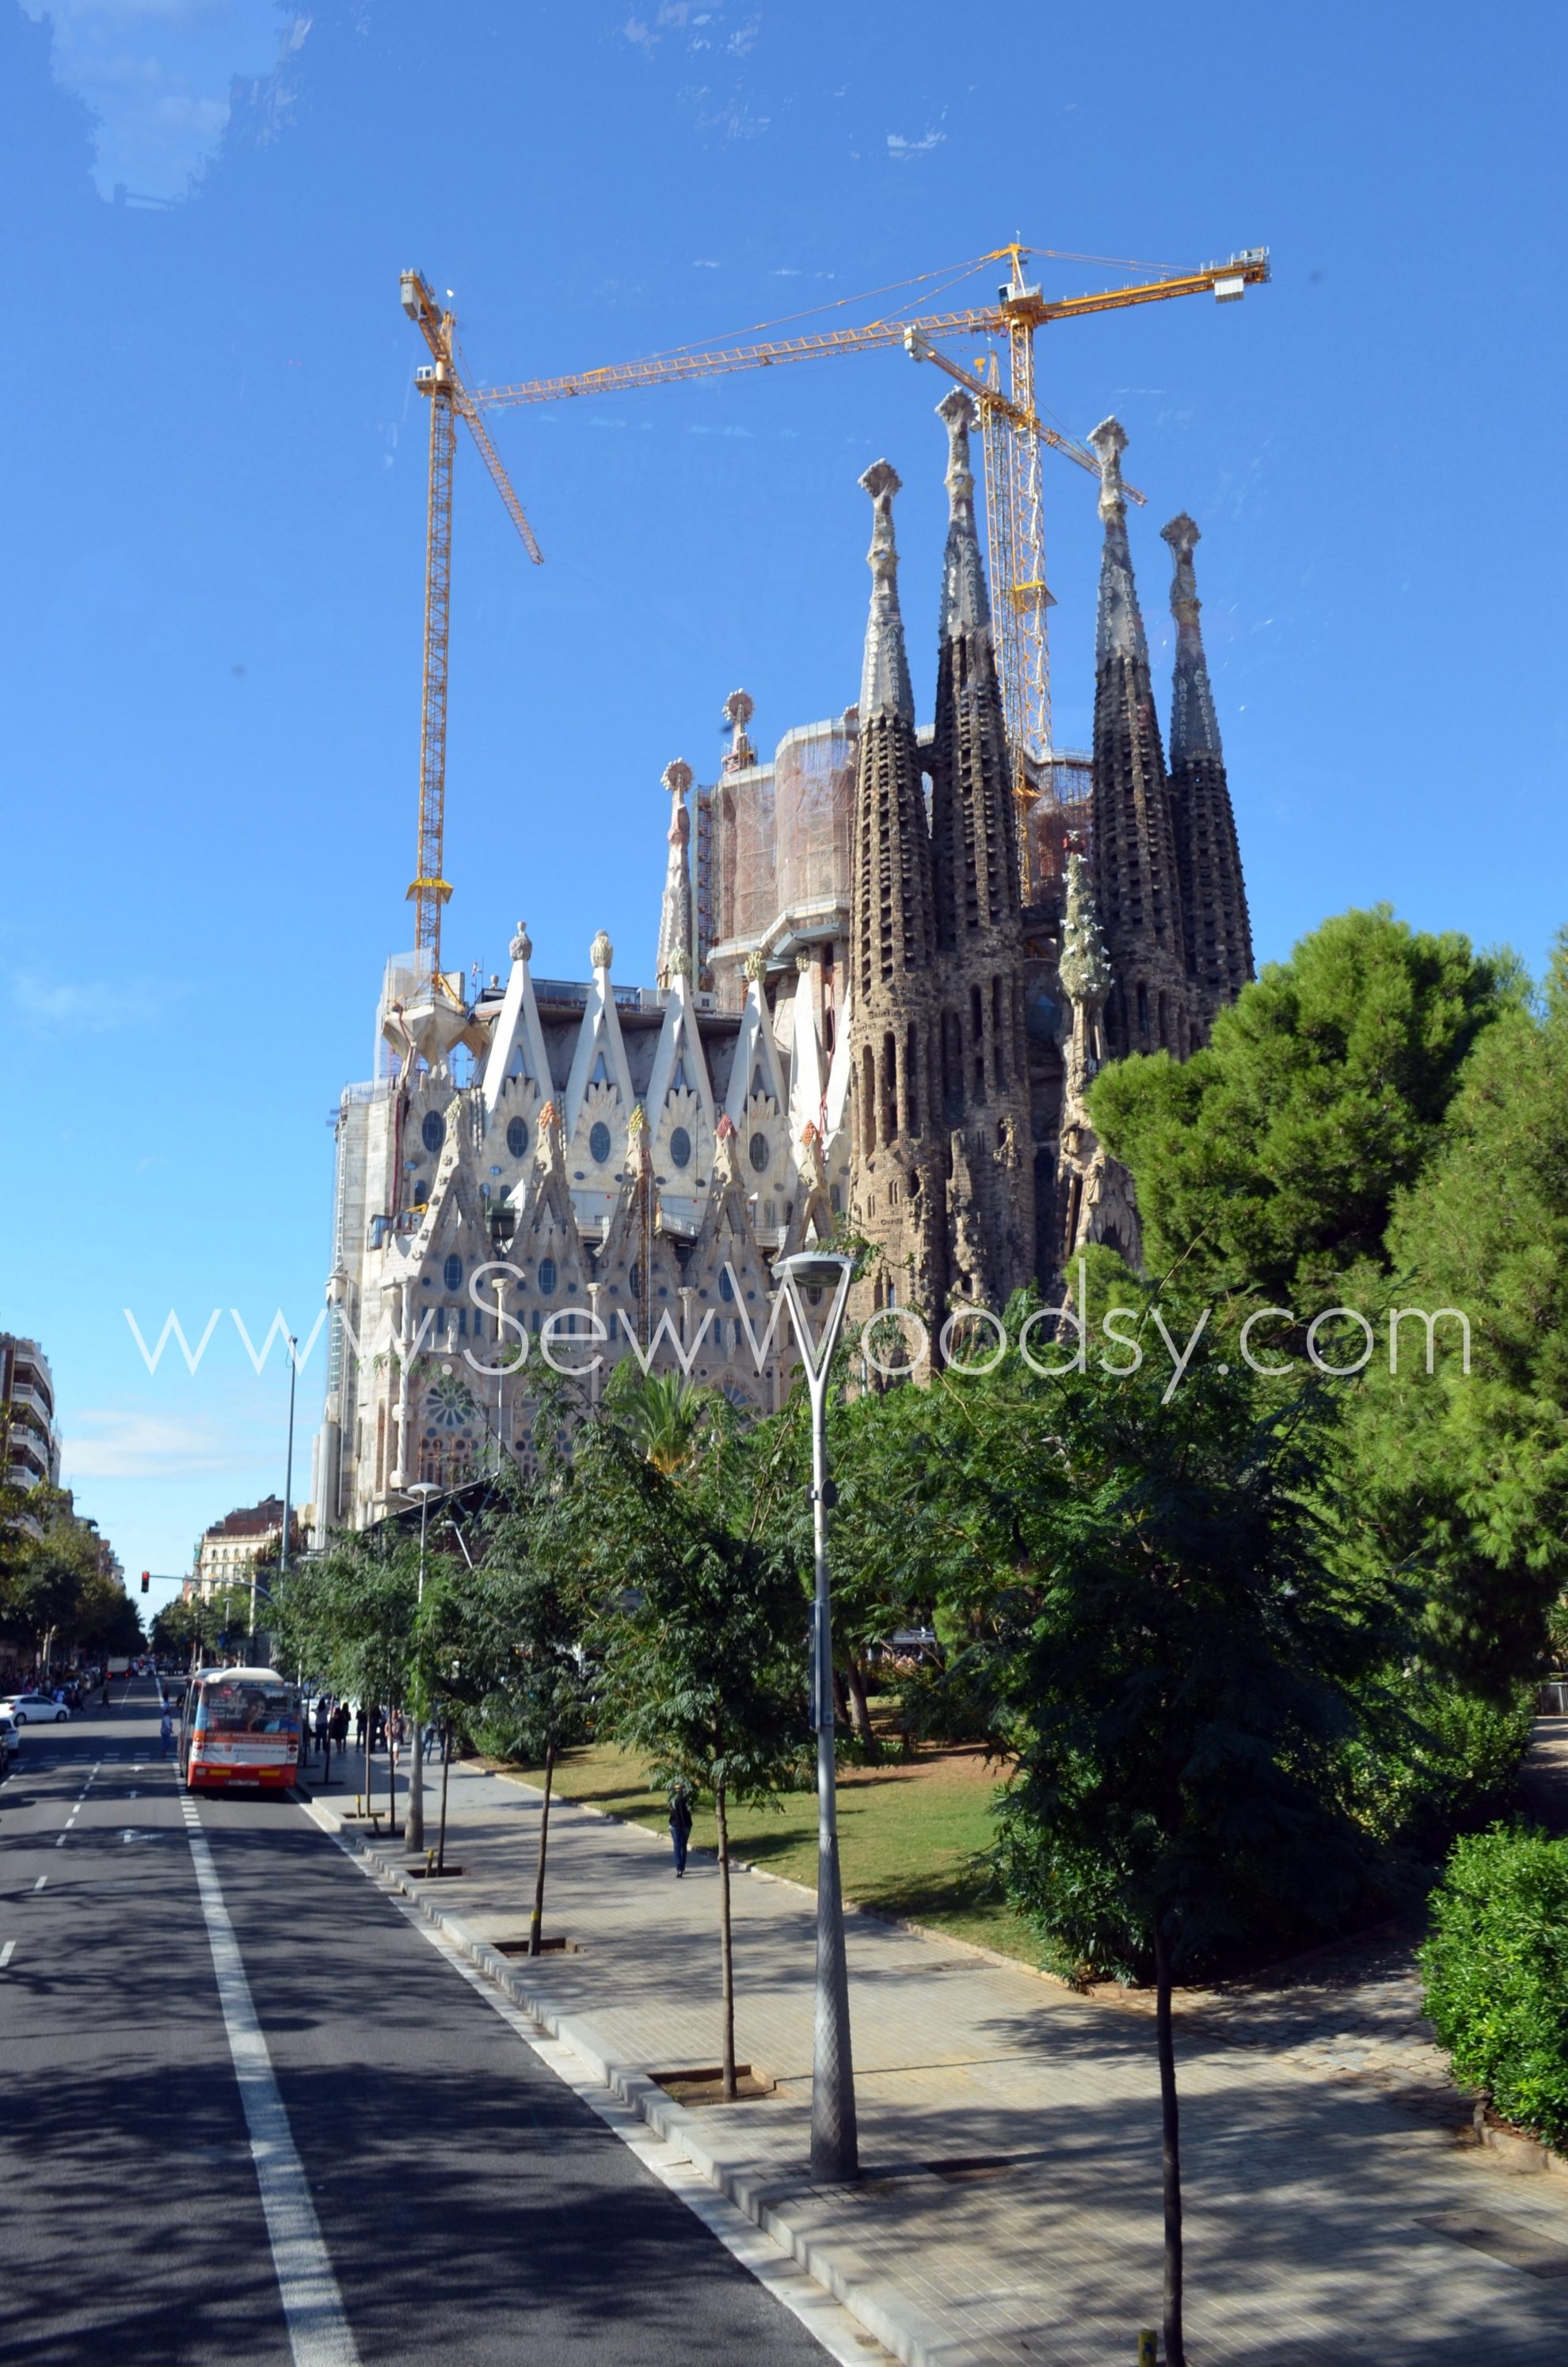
(440, 380)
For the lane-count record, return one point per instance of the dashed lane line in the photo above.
(40, 1883)
(840, 2335)
(6, 1954)
(318, 2328)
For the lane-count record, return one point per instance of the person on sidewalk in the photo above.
(339, 1728)
(166, 1732)
(680, 1827)
(324, 1719)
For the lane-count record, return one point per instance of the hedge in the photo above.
(1496, 1970)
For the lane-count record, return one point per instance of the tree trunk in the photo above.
(414, 1813)
(1170, 2143)
(860, 1711)
(536, 1928)
(445, 1770)
(726, 1950)
(840, 1698)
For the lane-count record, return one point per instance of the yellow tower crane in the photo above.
(1012, 431)
(441, 378)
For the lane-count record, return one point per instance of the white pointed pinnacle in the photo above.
(522, 944)
(1184, 537)
(882, 480)
(676, 777)
(958, 411)
(1109, 440)
(601, 953)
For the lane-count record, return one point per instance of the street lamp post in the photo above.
(835, 2144)
(287, 1496)
(413, 1828)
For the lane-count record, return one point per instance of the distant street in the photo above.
(470, 2209)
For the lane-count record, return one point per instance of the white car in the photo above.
(37, 1709)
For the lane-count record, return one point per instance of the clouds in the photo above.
(900, 150)
(158, 75)
(118, 1444)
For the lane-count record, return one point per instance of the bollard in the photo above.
(1147, 2347)
(429, 1861)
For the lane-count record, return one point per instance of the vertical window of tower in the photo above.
(977, 1041)
(890, 1088)
(1143, 1009)
(998, 1058)
(869, 1098)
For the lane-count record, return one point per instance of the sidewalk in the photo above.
(1009, 2209)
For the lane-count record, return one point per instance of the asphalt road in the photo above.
(471, 2208)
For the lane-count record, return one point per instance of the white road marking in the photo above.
(40, 1883)
(318, 2330)
(60, 1841)
(841, 2335)
(6, 1954)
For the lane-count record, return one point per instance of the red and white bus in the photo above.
(240, 1730)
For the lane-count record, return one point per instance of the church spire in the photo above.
(675, 919)
(1215, 922)
(884, 677)
(1195, 728)
(975, 861)
(897, 1181)
(1136, 876)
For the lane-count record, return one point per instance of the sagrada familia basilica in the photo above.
(882, 988)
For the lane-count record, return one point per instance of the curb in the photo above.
(881, 2305)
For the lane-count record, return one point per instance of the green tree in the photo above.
(1467, 1465)
(700, 1633)
(502, 1639)
(1184, 1671)
(1267, 1166)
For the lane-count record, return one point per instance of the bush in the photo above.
(1451, 1770)
(1496, 1970)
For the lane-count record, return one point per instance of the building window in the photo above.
(634, 1280)
(452, 1272)
(1143, 1010)
(420, 1192)
(726, 1287)
(758, 1153)
(868, 1097)
(432, 1131)
(518, 1137)
(547, 1275)
(598, 1143)
(680, 1148)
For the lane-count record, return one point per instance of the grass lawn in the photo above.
(910, 1834)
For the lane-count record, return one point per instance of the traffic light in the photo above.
(146, 1582)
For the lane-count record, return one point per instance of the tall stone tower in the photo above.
(1215, 926)
(897, 1188)
(980, 946)
(1136, 878)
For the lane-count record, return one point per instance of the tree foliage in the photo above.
(1268, 1164)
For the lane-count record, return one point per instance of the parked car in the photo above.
(7, 1740)
(37, 1709)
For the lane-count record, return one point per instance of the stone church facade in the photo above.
(859, 1021)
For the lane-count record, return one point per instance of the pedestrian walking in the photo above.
(324, 1719)
(680, 1827)
(338, 1727)
(359, 1724)
(166, 1732)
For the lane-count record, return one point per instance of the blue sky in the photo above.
(216, 511)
